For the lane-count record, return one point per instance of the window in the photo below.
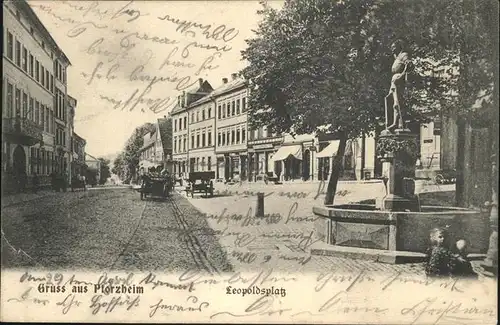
(25, 59)
(47, 119)
(197, 116)
(37, 70)
(175, 141)
(18, 53)
(47, 79)
(42, 118)
(238, 106)
(243, 104)
(223, 110)
(218, 139)
(192, 141)
(203, 140)
(209, 163)
(223, 139)
(25, 104)
(197, 140)
(228, 109)
(219, 115)
(51, 83)
(238, 136)
(233, 138)
(185, 122)
(209, 138)
(192, 117)
(175, 125)
(233, 108)
(37, 112)
(243, 133)
(31, 70)
(179, 144)
(10, 97)
(203, 115)
(10, 46)
(18, 102)
(209, 112)
(184, 144)
(31, 114)
(42, 75)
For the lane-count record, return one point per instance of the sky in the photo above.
(131, 59)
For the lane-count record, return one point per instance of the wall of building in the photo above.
(36, 102)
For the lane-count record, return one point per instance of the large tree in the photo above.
(125, 165)
(324, 66)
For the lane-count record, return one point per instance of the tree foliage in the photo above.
(325, 66)
(126, 163)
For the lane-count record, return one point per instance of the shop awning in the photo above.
(330, 150)
(286, 151)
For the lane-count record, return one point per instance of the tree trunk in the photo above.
(336, 171)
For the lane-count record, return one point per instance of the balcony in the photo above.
(21, 131)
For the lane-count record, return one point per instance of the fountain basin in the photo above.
(362, 231)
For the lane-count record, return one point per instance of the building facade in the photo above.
(212, 133)
(34, 109)
(201, 130)
(182, 117)
(78, 148)
(231, 129)
(93, 164)
(156, 150)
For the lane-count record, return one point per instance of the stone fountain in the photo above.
(396, 228)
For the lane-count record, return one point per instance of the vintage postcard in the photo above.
(295, 161)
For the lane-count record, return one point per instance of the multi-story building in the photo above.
(156, 149)
(253, 153)
(201, 130)
(231, 128)
(34, 94)
(78, 163)
(182, 117)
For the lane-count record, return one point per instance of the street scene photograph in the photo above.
(312, 161)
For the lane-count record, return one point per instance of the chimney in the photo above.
(234, 76)
(224, 80)
(201, 81)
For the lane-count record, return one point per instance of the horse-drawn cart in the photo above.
(201, 182)
(159, 186)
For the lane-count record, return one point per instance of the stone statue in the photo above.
(400, 69)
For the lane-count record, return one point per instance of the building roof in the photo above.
(79, 138)
(26, 8)
(165, 126)
(234, 84)
(202, 87)
(231, 85)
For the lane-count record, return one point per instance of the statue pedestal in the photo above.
(399, 172)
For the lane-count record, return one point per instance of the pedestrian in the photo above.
(36, 182)
(440, 259)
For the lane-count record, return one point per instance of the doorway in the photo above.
(19, 160)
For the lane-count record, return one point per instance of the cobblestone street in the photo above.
(111, 228)
(105, 229)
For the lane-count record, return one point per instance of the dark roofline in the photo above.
(26, 8)
(79, 137)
